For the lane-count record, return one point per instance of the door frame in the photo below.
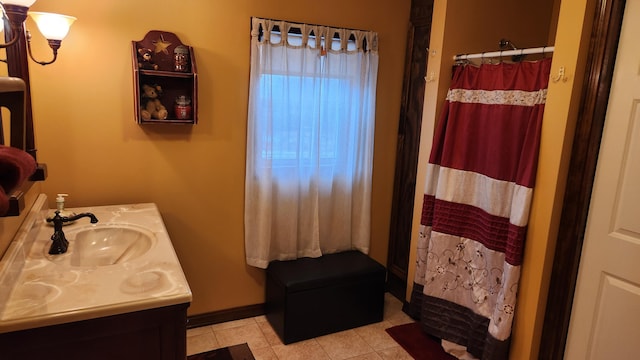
(409, 125)
(586, 145)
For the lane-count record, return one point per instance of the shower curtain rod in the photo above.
(538, 50)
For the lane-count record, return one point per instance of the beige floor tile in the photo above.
(394, 353)
(391, 305)
(344, 344)
(250, 334)
(269, 333)
(400, 319)
(260, 318)
(302, 350)
(376, 336)
(369, 356)
(199, 331)
(393, 311)
(265, 353)
(370, 342)
(201, 342)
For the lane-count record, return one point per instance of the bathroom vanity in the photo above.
(119, 291)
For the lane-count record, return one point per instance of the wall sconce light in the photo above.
(17, 44)
(54, 27)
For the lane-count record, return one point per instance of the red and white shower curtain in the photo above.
(477, 198)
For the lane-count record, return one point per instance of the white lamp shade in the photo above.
(25, 3)
(52, 26)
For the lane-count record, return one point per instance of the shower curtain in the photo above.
(480, 179)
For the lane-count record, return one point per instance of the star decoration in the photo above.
(161, 45)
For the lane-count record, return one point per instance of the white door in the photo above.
(605, 321)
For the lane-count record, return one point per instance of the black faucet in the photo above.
(60, 243)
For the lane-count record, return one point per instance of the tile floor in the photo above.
(364, 343)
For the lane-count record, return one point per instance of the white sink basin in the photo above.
(104, 245)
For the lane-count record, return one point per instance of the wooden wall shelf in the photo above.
(176, 79)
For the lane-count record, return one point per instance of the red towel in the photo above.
(15, 167)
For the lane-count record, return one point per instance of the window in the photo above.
(309, 141)
(297, 130)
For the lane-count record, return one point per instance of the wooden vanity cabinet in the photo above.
(154, 334)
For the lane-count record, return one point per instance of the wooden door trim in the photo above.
(407, 147)
(586, 145)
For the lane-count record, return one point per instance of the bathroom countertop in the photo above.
(37, 289)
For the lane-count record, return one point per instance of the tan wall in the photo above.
(563, 100)
(474, 27)
(86, 134)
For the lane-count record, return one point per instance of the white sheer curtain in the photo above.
(309, 140)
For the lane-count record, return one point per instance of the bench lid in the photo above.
(330, 269)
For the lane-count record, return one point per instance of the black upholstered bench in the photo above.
(310, 297)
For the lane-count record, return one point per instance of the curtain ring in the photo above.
(500, 56)
(482, 59)
(544, 54)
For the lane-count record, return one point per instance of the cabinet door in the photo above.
(154, 334)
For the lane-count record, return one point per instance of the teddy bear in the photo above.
(151, 107)
(145, 59)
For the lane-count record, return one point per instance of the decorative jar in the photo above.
(182, 107)
(181, 58)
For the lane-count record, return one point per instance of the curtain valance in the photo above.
(279, 32)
